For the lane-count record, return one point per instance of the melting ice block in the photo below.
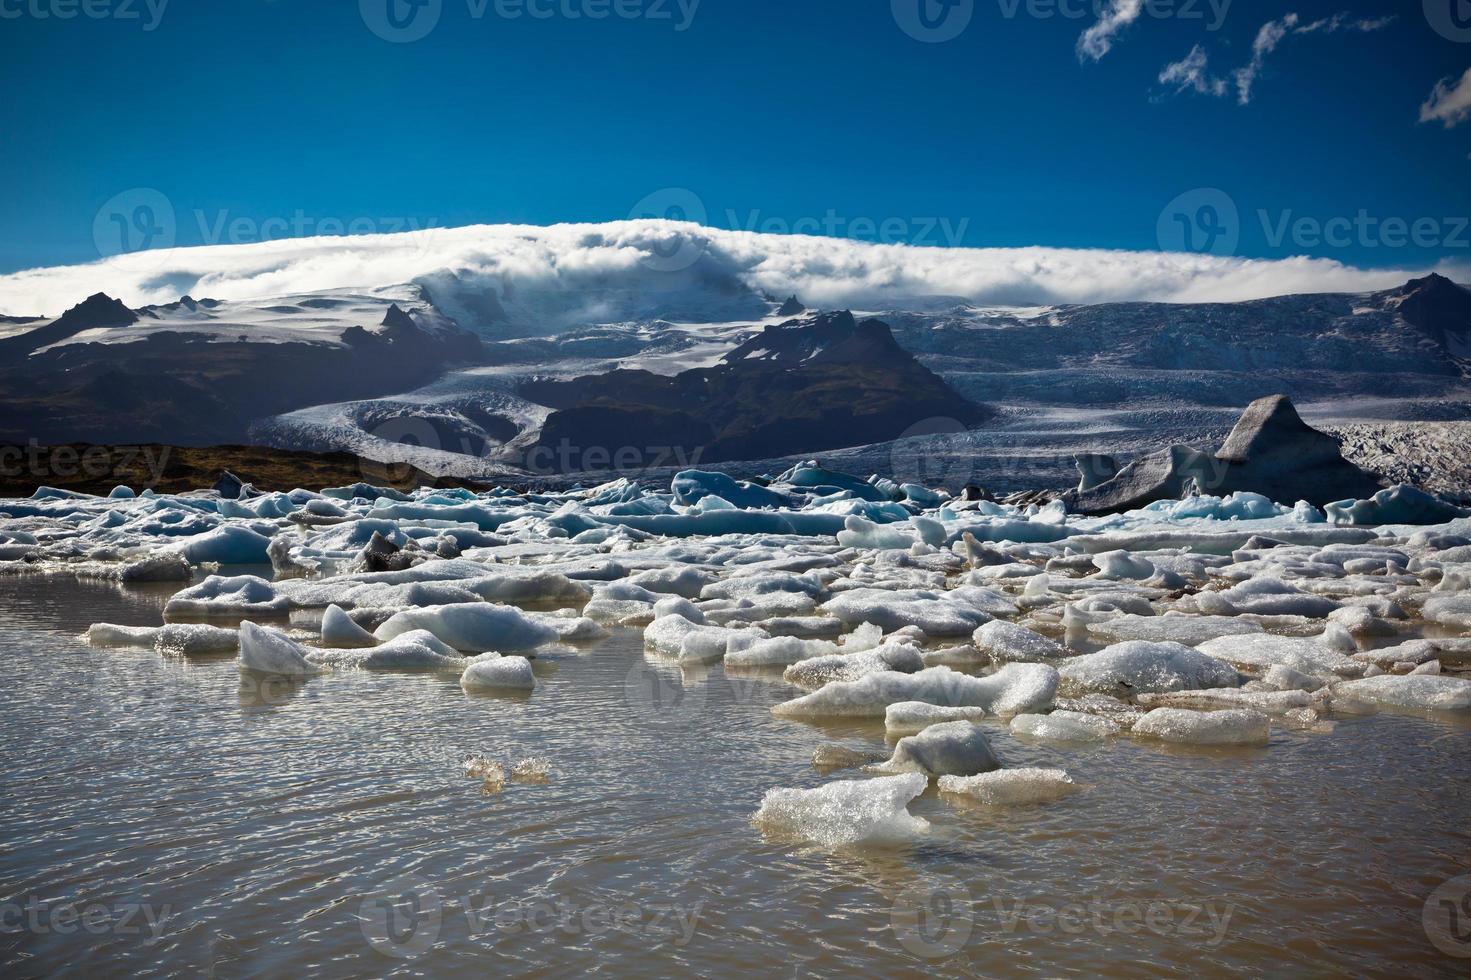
(813, 673)
(951, 748)
(1012, 787)
(338, 630)
(476, 626)
(269, 652)
(911, 717)
(239, 595)
(1009, 643)
(1064, 726)
(1205, 727)
(1417, 692)
(1137, 667)
(492, 672)
(1014, 689)
(848, 812)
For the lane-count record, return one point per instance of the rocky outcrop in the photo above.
(1271, 451)
(808, 385)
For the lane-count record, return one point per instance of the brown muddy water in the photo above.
(163, 817)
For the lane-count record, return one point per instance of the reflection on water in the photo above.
(176, 817)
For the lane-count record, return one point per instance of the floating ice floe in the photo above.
(1137, 667)
(1260, 653)
(338, 630)
(1065, 726)
(911, 717)
(241, 595)
(474, 627)
(950, 748)
(1419, 692)
(811, 674)
(846, 813)
(1014, 689)
(1230, 727)
(494, 672)
(1006, 643)
(1012, 787)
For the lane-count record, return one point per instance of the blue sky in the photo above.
(254, 119)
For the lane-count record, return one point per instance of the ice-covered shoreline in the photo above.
(1201, 621)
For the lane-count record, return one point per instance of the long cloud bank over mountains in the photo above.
(545, 279)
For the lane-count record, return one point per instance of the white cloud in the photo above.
(1098, 40)
(1267, 39)
(1450, 102)
(1190, 73)
(1345, 22)
(552, 278)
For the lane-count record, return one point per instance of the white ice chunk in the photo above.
(1064, 726)
(109, 635)
(1258, 653)
(338, 630)
(951, 748)
(1012, 787)
(813, 673)
(1205, 727)
(1419, 692)
(1014, 689)
(1009, 643)
(269, 652)
(195, 640)
(498, 673)
(473, 627)
(848, 812)
(240, 595)
(910, 717)
(780, 651)
(1137, 667)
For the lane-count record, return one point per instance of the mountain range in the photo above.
(420, 372)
